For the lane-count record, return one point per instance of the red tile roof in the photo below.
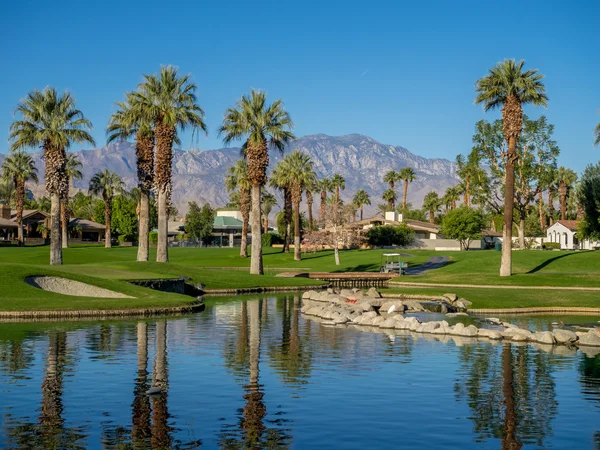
(570, 224)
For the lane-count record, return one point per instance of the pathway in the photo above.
(493, 286)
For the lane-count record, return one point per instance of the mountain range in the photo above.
(198, 174)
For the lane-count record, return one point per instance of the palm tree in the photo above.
(19, 168)
(51, 121)
(465, 172)
(338, 182)
(7, 191)
(267, 204)
(391, 177)
(597, 135)
(298, 169)
(432, 203)
(389, 195)
(72, 172)
(508, 86)
(237, 178)
(324, 186)
(408, 176)
(106, 184)
(131, 119)
(360, 199)
(168, 101)
(280, 180)
(566, 178)
(262, 126)
(450, 198)
(309, 189)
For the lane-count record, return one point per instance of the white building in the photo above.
(565, 233)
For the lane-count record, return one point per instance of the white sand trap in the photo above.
(70, 287)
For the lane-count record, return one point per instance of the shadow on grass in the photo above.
(360, 268)
(548, 262)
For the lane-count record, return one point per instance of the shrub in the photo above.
(153, 237)
(386, 235)
(463, 224)
(551, 245)
(269, 239)
(125, 238)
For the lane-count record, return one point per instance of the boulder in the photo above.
(364, 306)
(428, 327)
(346, 293)
(490, 334)
(330, 291)
(470, 331)
(413, 326)
(590, 339)
(544, 337)
(372, 292)
(517, 337)
(457, 329)
(441, 330)
(377, 321)
(388, 323)
(451, 297)
(310, 294)
(370, 314)
(465, 302)
(357, 319)
(565, 336)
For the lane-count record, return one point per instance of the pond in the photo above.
(251, 372)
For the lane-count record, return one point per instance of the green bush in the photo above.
(551, 245)
(270, 239)
(124, 238)
(387, 235)
(153, 237)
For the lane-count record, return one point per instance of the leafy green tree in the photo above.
(361, 198)
(463, 224)
(199, 221)
(589, 197)
(124, 218)
(407, 175)
(387, 235)
(509, 86)
(414, 214)
(432, 203)
(19, 168)
(51, 121)
(261, 126)
(237, 178)
(169, 102)
(106, 184)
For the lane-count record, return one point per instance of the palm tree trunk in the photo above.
(309, 204)
(562, 192)
(160, 415)
(20, 197)
(162, 254)
(64, 222)
(244, 243)
(509, 200)
(404, 194)
(431, 216)
(287, 214)
(107, 220)
(297, 254)
(140, 421)
(55, 235)
(337, 198)
(323, 201)
(266, 224)
(541, 208)
(256, 262)
(551, 205)
(521, 231)
(245, 209)
(361, 212)
(143, 226)
(509, 441)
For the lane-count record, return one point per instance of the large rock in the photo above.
(388, 323)
(371, 314)
(565, 336)
(428, 327)
(590, 339)
(490, 334)
(544, 337)
(451, 297)
(310, 294)
(372, 292)
(377, 321)
(465, 302)
(397, 306)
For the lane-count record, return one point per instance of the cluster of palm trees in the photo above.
(407, 175)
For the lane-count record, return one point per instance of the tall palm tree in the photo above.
(389, 195)
(106, 184)
(168, 101)
(324, 186)
(566, 178)
(72, 172)
(237, 178)
(361, 198)
(432, 203)
(262, 126)
(132, 120)
(280, 180)
(51, 121)
(465, 172)
(298, 168)
(309, 189)
(338, 182)
(268, 202)
(509, 86)
(391, 177)
(451, 196)
(407, 175)
(19, 168)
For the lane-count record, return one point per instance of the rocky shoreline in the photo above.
(370, 309)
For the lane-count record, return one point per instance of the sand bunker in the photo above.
(70, 287)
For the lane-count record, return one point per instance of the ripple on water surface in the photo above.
(253, 373)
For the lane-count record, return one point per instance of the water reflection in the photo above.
(279, 379)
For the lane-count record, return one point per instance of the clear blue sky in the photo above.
(400, 73)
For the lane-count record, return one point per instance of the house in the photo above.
(423, 230)
(87, 230)
(226, 229)
(564, 232)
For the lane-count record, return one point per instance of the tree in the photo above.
(51, 121)
(237, 178)
(508, 86)
(133, 119)
(589, 197)
(281, 181)
(124, 219)
(387, 235)
(168, 101)
(199, 221)
(391, 177)
(262, 126)
(72, 172)
(463, 224)
(597, 135)
(267, 203)
(338, 182)
(451, 196)
(389, 195)
(298, 168)
(408, 175)
(324, 186)
(432, 204)
(309, 189)
(106, 184)
(566, 179)
(19, 168)
(361, 198)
